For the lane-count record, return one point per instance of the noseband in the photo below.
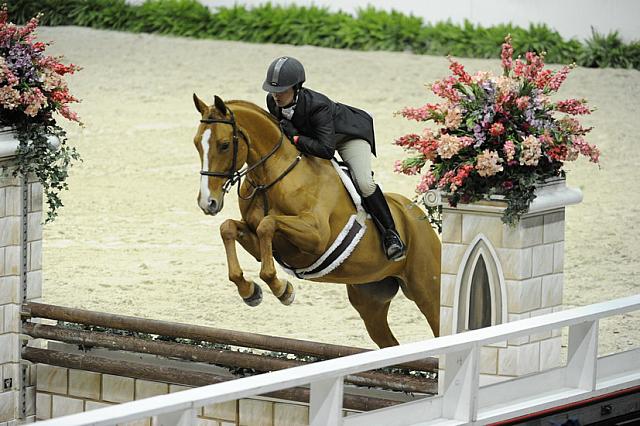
(234, 176)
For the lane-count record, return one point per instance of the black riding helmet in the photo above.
(283, 73)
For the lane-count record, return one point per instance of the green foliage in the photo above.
(48, 163)
(609, 51)
(370, 29)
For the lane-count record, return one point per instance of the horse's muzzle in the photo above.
(212, 207)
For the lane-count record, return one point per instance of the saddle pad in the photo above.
(346, 241)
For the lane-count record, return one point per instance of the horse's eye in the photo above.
(224, 146)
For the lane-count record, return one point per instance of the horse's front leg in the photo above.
(236, 230)
(303, 231)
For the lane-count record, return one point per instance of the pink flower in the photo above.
(531, 151)
(427, 182)
(507, 54)
(502, 100)
(428, 149)
(458, 69)
(558, 153)
(594, 155)
(572, 153)
(543, 78)
(406, 167)
(507, 184)
(506, 85)
(9, 97)
(558, 78)
(453, 118)
(407, 141)
(546, 139)
(7, 74)
(509, 150)
(420, 114)
(34, 100)
(488, 163)
(522, 102)
(585, 149)
(68, 114)
(496, 129)
(449, 146)
(467, 141)
(481, 76)
(529, 70)
(444, 88)
(573, 106)
(458, 179)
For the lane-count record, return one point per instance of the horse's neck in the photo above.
(265, 137)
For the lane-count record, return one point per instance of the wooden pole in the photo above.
(146, 371)
(208, 334)
(261, 363)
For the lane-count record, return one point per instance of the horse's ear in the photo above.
(200, 105)
(219, 103)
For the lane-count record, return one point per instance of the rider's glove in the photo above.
(288, 128)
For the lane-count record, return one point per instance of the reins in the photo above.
(234, 176)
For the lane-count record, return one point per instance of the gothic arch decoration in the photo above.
(480, 297)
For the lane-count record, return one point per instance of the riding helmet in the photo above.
(283, 73)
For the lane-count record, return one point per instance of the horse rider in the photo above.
(318, 126)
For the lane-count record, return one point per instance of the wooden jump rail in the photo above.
(185, 376)
(147, 371)
(215, 356)
(207, 334)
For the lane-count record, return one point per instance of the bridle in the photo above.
(234, 176)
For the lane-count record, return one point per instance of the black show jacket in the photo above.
(322, 123)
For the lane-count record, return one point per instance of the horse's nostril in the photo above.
(212, 205)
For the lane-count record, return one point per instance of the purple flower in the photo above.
(478, 135)
(21, 59)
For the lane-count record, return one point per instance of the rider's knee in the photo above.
(366, 187)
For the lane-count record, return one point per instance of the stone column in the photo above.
(493, 273)
(20, 280)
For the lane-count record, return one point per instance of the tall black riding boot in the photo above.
(377, 206)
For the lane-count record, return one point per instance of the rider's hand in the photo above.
(288, 128)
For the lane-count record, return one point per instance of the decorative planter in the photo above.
(9, 142)
(493, 273)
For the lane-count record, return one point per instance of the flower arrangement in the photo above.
(32, 91)
(498, 135)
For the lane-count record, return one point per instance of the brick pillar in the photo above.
(20, 280)
(520, 270)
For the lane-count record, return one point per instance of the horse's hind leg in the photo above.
(422, 282)
(232, 231)
(372, 303)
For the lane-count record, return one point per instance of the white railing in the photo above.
(462, 400)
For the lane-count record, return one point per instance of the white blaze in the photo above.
(205, 195)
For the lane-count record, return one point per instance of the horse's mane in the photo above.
(254, 107)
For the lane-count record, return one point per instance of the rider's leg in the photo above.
(357, 153)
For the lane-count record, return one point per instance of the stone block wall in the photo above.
(64, 391)
(20, 281)
(530, 261)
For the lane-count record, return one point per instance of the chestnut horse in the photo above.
(295, 206)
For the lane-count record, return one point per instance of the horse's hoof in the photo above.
(288, 296)
(256, 297)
